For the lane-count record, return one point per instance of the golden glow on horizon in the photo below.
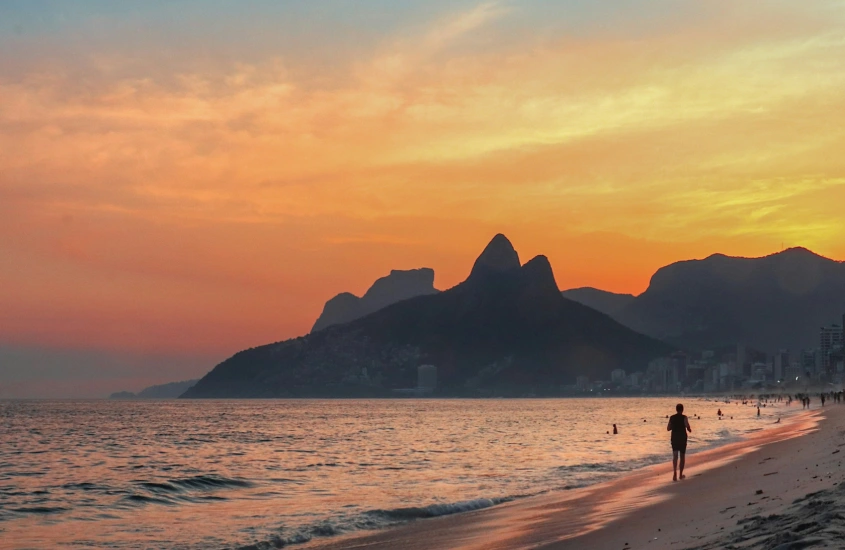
(216, 210)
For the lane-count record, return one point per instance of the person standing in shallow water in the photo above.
(679, 426)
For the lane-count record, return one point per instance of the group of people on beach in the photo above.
(679, 425)
(824, 397)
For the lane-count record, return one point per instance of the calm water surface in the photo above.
(227, 474)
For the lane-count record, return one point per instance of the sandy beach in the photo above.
(779, 488)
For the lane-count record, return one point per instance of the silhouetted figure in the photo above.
(719, 412)
(822, 400)
(679, 426)
(615, 431)
(758, 410)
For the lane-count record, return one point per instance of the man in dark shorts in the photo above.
(679, 426)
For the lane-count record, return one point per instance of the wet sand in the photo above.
(750, 494)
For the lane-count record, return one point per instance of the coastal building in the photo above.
(836, 356)
(618, 376)
(695, 375)
(711, 378)
(634, 380)
(727, 376)
(680, 361)
(782, 363)
(664, 374)
(793, 372)
(810, 362)
(426, 378)
(760, 371)
(582, 383)
(741, 357)
(658, 374)
(830, 341)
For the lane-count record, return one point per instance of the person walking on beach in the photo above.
(679, 426)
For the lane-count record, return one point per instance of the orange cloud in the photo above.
(214, 210)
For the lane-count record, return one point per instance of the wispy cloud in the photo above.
(195, 190)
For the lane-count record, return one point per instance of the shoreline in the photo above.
(642, 508)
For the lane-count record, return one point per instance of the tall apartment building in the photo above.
(830, 341)
(782, 363)
(426, 378)
(811, 361)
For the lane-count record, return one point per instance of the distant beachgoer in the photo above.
(758, 410)
(719, 412)
(822, 400)
(615, 431)
(679, 426)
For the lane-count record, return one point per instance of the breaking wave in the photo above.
(374, 519)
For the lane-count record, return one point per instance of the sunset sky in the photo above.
(181, 180)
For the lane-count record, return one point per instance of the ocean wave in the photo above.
(374, 519)
(137, 499)
(211, 481)
(208, 482)
(175, 491)
(436, 510)
(39, 510)
(610, 467)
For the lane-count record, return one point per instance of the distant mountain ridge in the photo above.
(397, 286)
(506, 330)
(170, 390)
(609, 303)
(773, 302)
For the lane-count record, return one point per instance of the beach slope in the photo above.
(779, 488)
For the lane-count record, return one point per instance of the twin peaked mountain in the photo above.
(505, 330)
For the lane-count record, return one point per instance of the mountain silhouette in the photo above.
(609, 303)
(399, 285)
(161, 391)
(497, 257)
(506, 330)
(774, 302)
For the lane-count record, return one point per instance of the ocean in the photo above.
(190, 474)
